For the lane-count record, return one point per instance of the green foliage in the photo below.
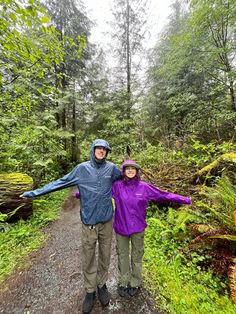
(3, 224)
(220, 202)
(173, 223)
(180, 285)
(193, 75)
(151, 156)
(32, 74)
(29, 51)
(20, 238)
(109, 119)
(36, 148)
(199, 154)
(129, 27)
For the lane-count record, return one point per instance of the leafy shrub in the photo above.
(180, 285)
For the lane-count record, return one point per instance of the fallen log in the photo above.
(12, 185)
(223, 165)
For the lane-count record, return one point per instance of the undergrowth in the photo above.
(180, 285)
(18, 239)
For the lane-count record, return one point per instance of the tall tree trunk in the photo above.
(232, 95)
(128, 60)
(74, 144)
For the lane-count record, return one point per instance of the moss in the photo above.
(14, 183)
(16, 178)
(229, 158)
(208, 168)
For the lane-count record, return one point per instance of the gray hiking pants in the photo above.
(130, 269)
(95, 266)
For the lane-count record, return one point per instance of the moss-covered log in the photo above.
(225, 164)
(12, 185)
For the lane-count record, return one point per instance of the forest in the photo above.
(172, 108)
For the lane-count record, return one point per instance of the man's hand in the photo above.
(24, 197)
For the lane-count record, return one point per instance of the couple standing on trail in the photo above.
(98, 180)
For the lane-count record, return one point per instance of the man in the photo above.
(94, 179)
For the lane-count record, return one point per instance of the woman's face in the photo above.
(130, 172)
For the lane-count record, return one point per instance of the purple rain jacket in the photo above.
(131, 200)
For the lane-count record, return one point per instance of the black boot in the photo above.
(88, 302)
(133, 291)
(123, 291)
(103, 295)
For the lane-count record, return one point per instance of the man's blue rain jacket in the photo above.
(94, 180)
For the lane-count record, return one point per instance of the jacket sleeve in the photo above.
(116, 173)
(68, 180)
(156, 194)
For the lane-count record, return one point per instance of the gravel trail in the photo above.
(53, 282)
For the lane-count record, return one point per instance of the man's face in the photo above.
(130, 172)
(100, 152)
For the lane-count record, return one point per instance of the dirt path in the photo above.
(53, 284)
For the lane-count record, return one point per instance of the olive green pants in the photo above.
(96, 262)
(130, 251)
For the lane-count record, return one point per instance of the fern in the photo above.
(221, 201)
(174, 223)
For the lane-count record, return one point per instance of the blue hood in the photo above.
(101, 142)
(98, 142)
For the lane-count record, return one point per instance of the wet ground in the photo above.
(53, 283)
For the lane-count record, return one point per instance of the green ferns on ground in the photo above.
(180, 285)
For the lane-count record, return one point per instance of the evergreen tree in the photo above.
(73, 25)
(129, 31)
(189, 77)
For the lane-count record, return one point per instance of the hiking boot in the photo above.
(133, 291)
(123, 291)
(88, 302)
(103, 295)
